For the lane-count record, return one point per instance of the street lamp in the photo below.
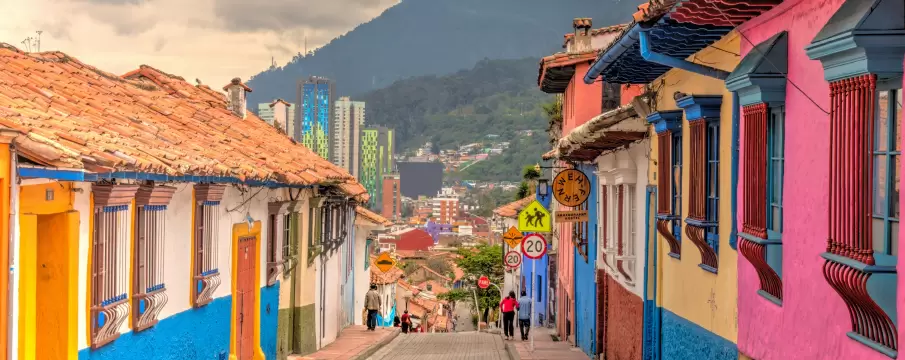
(542, 190)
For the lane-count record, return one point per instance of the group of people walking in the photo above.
(508, 306)
(373, 307)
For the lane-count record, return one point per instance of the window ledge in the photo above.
(760, 241)
(872, 344)
(675, 256)
(667, 217)
(770, 298)
(860, 266)
(701, 223)
(708, 268)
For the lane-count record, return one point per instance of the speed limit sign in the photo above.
(534, 246)
(513, 259)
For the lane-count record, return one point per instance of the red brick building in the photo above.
(391, 206)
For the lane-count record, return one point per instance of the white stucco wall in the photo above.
(629, 167)
(362, 275)
(177, 250)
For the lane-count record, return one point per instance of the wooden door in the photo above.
(245, 297)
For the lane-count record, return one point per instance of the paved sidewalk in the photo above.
(354, 342)
(544, 348)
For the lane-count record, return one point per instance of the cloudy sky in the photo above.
(213, 40)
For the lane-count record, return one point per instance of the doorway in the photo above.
(49, 261)
(245, 296)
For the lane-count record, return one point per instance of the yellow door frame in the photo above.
(241, 230)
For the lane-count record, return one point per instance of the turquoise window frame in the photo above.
(677, 184)
(712, 183)
(776, 139)
(882, 286)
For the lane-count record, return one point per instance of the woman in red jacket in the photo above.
(508, 307)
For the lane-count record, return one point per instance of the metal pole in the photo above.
(500, 309)
(533, 303)
(477, 307)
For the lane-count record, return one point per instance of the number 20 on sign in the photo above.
(534, 246)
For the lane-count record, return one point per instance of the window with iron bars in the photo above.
(205, 271)
(111, 238)
(149, 289)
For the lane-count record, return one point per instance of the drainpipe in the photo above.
(733, 237)
(13, 284)
(648, 54)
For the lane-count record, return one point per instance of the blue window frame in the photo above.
(712, 182)
(776, 139)
(886, 157)
(677, 184)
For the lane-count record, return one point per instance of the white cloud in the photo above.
(213, 40)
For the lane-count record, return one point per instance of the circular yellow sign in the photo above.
(571, 187)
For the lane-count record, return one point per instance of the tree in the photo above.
(483, 260)
(523, 191)
(440, 265)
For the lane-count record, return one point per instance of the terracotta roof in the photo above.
(72, 115)
(382, 278)
(436, 287)
(556, 71)
(608, 131)
(511, 210)
(372, 216)
(582, 23)
(549, 155)
(405, 285)
(280, 101)
(432, 271)
(459, 274)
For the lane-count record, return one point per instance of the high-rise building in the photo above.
(446, 206)
(391, 207)
(278, 111)
(377, 149)
(315, 97)
(349, 118)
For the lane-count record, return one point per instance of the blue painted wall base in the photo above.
(683, 339)
(193, 334)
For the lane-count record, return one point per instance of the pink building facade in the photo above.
(824, 76)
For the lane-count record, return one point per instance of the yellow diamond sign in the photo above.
(513, 237)
(384, 262)
(534, 218)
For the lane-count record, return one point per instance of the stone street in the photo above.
(449, 346)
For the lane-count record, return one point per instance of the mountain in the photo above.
(496, 97)
(434, 37)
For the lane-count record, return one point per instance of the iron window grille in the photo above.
(205, 272)
(149, 289)
(111, 240)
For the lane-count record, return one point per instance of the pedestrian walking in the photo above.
(508, 307)
(524, 315)
(372, 304)
(406, 322)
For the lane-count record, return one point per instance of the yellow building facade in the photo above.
(698, 302)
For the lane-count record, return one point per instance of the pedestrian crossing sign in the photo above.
(535, 218)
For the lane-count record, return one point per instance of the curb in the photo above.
(513, 353)
(373, 348)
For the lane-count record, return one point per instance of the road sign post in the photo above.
(535, 218)
(385, 262)
(513, 259)
(534, 246)
(513, 237)
(483, 282)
